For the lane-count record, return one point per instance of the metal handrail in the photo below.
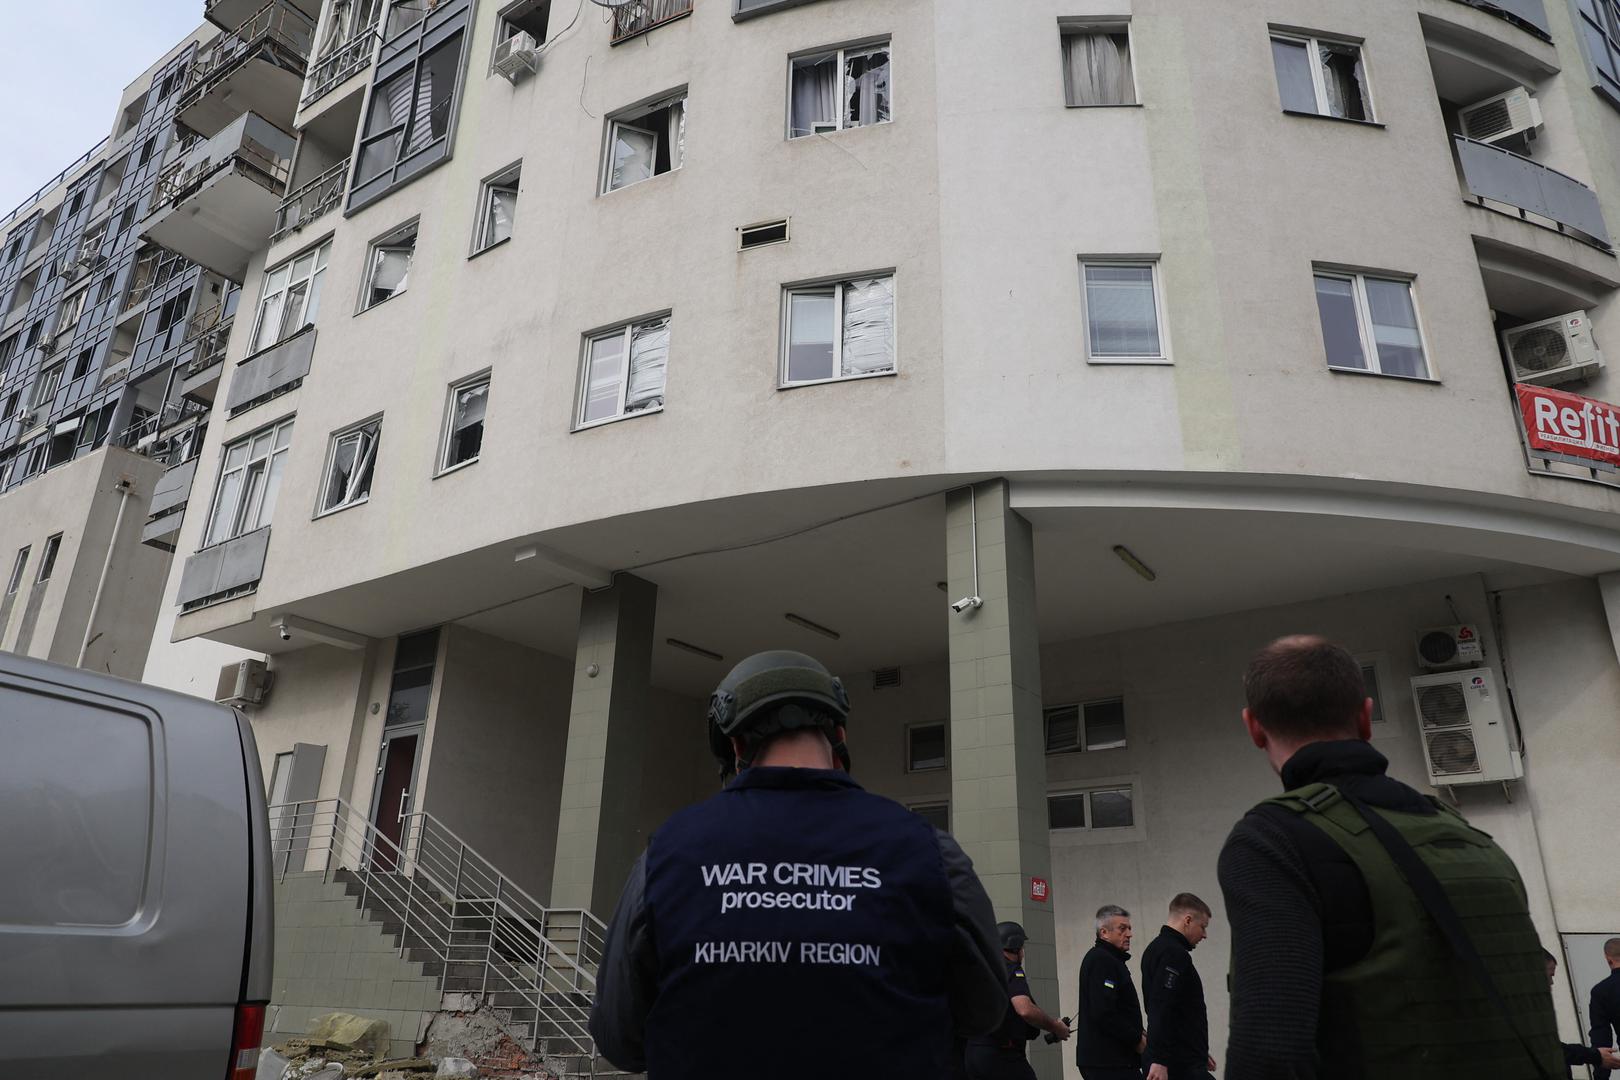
(178, 180)
(276, 21)
(211, 332)
(311, 201)
(489, 936)
(175, 412)
(352, 56)
(53, 181)
(642, 15)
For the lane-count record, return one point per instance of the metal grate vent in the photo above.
(886, 678)
(1541, 349)
(1437, 647)
(1488, 120)
(766, 232)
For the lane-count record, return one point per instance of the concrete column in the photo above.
(997, 740)
(1609, 586)
(599, 830)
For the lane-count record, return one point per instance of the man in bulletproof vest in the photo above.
(1177, 1021)
(1600, 1058)
(794, 926)
(1603, 1010)
(1109, 1039)
(1375, 934)
(1000, 1054)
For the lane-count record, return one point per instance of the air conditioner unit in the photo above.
(1553, 350)
(1513, 116)
(27, 418)
(47, 346)
(517, 57)
(1465, 738)
(246, 682)
(1443, 647)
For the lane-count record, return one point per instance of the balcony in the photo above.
(270, 372)
(1536, 193)
(229, 14)
(210, 333)
(340, 64)
(217, 205)
(227, 569)
(643, 15)
(168, 506)
(259, 67)
(1530, 15)
(310, 201)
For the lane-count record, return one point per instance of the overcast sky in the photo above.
(63, 66)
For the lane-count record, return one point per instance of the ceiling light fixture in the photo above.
(687, 646)
(813, 627)
(1128, 557)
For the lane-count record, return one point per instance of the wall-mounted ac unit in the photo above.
(1553, 350)
(47, 346)
(246, 682)
(517, 57)
(1509, 117)
(1465, 738)
(27, 418)
(1442, 647)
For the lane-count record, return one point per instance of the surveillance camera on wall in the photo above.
(286, 634)
(967, 603)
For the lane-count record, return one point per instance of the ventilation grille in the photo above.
(1488, 120)
(766, 232)
(886, 678)
(1443, 706)
(1541, 349)
(1437, 647)
(1452, 753)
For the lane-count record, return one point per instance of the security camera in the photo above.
(967, 603)
(286, 634)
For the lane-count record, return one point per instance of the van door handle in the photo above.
(403, 795)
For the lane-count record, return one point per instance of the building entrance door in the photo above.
(396, 790)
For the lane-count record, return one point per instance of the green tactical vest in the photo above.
(1409, 1010)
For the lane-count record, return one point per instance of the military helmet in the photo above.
(772, 692)
(1012, 936)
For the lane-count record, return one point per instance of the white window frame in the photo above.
(1082, 746)
(1089, 831)
(1100, 26)
(389, 241)
(628, 118)
(836, 287)
(627, 332)
(482, 378)
(1313, 50)
(67, 322)
(18, 569)
(47, 559)
(945, 732)
(322, 253)
(507, 179)
(46, 386)
(248, 515)
(1364, 326)
(842, 53)
(1132, 262)
(355, 433)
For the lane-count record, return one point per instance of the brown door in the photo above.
(395, 787)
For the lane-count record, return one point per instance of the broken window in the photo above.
(47, 558)
(1094, 725)
(410, 111)
(81, 366)
(925, 747)
(1097, 66)
(464, 422)
(1370, 324)
(527, 17)
(1322, 77)
(388, 266)
(839, 330)
(291, 298)
(1122, 311)
(148, 148)
(50, 380)
(497, 208)
(8, 349)
(76, 203)
(17, 569)
(11, 405)
(249, 479)
(68, 315)
(624, 371)
(645, 142)
(840, 89)
(349, 466)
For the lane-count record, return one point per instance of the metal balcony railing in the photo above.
(1541, 194)
(277, 23)
(211, 330)
(143, 434)
(642, 15)
(235, 146)
(1531, 15)
(349, 58)
(52, 182)
(311, 201)
(459, 915)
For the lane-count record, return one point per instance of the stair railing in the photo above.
(535, 964)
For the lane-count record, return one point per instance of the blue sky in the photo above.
(63, 66)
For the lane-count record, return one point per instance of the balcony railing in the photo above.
(276, 23)
(349, 58)
(139, 436)
(310, 201)
(52, 182)
(1529, 14)
(1540, 194)
(643, 15)
(247, 143)
(211, 330)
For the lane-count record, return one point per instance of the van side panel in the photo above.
(129, 1044)
(256, 972)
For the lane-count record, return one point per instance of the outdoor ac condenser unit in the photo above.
(517, 57)
(1443, 647)
(1465, 738)
(1513, 116)
(1553, 350)
(246, 682)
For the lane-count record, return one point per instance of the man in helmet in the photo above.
(1000, 1054)
(795, 926)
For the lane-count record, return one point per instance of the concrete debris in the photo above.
(329, 1070)
(345, 1031)
(458, 1067)
(400, 1066)
(272, 1066)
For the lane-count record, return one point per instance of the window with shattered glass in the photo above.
(498, 208)
(838, 330)
(624, 371)
(838, 89)
(464, 423)
(388, 266)
(645, 142)
(1323, 77)
(349, 466)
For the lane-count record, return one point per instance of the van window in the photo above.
(76, 797)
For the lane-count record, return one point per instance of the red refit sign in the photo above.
(1038, 889)
(1568, 424)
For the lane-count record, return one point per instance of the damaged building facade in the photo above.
(1030, 368)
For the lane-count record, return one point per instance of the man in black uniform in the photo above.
(794, 926)
(1575, 1054)
(1604, 1008)
(1109, 1039)
(1000, 1054)
(1177, 1021)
